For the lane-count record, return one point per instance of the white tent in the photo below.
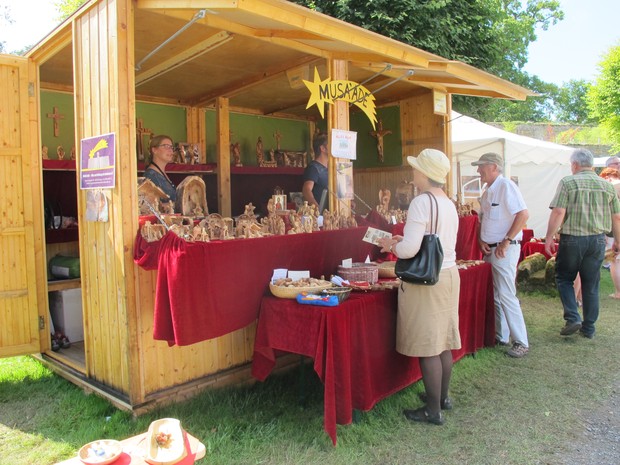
(537, 166)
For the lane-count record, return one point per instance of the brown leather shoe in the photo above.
(423, 415)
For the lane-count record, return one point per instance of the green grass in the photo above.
(506, 411)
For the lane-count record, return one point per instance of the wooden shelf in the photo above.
(183, 168)
(54, 236)
(62, 165)
(64, 284)
(263, 170)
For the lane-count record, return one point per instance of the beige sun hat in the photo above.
(432, 163)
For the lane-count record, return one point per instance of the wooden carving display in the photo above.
(309, 215)
(149, 193)
(292, 159)
(273, 224)
(383, 208)
(217, 227)
(235, 154)
(404, 194)
(379, 134)
(152, 232)
(192, 197)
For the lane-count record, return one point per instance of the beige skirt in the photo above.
(427, 323)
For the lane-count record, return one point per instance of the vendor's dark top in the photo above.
(162, 182)
(316, 173)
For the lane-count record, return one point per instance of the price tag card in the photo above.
(347, 263)
(278, 273)
(295, 275)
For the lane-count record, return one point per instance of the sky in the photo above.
(573, 47)
(568, 50)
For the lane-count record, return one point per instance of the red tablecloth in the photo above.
(208, 289)
(530, 248)
(353, 344)
(466, 237)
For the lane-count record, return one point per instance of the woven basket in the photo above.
(291, 292)
(360, 272)
(386, 270)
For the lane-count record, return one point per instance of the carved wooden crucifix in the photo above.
(141, 131)
(56, 116)
(277, 137)
(379, 134)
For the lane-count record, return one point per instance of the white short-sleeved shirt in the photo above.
(498, 206)
(418, 224)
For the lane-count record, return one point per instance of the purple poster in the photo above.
(97, 159)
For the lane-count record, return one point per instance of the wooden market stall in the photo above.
(116, 63)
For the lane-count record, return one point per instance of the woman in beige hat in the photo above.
(427, 322)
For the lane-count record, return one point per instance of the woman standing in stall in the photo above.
(427, 324)
(161, 150)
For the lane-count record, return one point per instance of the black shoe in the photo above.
(422, 415)
(586, 335)
(445, 404)
(570, 328)
(499, 342)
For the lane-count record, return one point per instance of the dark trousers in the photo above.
(583, 255)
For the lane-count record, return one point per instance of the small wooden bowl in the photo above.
(291, 292)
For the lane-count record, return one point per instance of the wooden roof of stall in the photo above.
(191, 51)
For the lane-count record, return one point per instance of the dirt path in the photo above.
(597, 436)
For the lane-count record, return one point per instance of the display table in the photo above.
(134, 451)
(353, 344)
(466, 238)
(530, 248)
(207, 289)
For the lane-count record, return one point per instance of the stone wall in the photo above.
(559, 133)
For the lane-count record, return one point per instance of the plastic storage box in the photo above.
(66, 311)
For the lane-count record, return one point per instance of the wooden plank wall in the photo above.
(171, 366)
(104, 103)
(420, 129)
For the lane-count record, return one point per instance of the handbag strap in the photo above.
(431, 199)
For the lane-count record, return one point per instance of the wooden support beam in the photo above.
(338, 118)
(184, 56)
(246, 84)
(223, 156)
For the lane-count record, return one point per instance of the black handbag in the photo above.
(424, 267)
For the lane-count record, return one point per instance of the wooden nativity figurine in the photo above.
(192, 197)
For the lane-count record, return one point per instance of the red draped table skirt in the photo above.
(353, 344)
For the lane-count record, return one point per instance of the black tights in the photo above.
(436, 372)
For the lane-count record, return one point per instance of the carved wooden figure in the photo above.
(192, 197)
(379, 134)
(235, 153)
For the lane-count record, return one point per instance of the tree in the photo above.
(604, 96)
(5, 20)
(67, 7)
(570, 102)
(492, 35)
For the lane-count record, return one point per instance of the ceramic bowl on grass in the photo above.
(100, 452)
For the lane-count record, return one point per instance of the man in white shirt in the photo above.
(503, 215)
